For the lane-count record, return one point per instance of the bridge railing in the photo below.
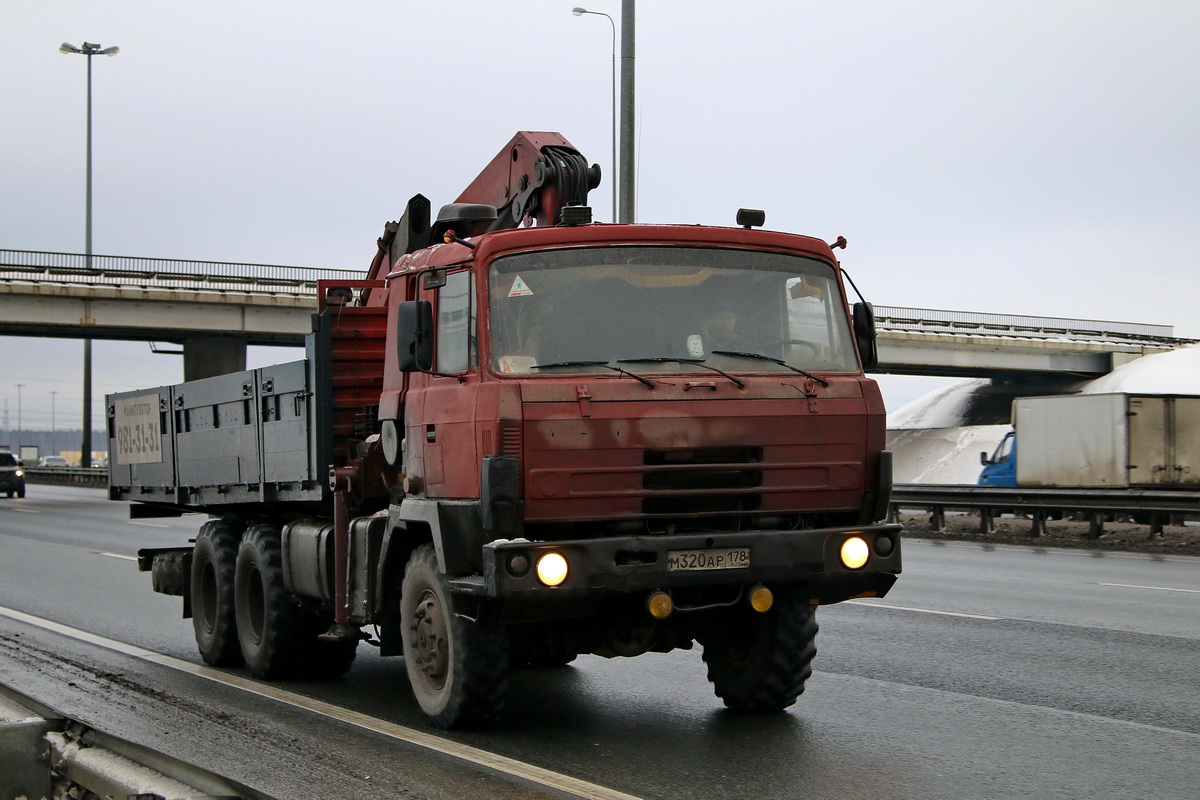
(229, 276)
(164, 273)
(975, 323)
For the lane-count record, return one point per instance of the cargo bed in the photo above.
(266, 435)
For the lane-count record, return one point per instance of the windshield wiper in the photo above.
(605, 364)
(571, 364)
(773, 360)
(741, 384)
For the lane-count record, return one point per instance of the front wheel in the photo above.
(457, 667)
(760, 662)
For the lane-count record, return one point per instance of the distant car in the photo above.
(52, 461)
(12, 477)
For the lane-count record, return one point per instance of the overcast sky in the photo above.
(1013, 156)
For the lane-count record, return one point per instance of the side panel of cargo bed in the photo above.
(246, 437)
(261, 436)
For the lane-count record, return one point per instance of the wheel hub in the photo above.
(430, 643)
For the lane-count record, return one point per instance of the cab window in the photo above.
(455, 324)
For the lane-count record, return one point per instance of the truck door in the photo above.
(440, 423)
(1148, 441)
(1185, 440)
(1164, 441)
(1001, 469)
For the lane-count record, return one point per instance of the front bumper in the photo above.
(599, 568)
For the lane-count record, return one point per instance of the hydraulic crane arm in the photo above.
(530, 181)
(533, 177)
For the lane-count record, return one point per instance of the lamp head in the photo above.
(579, 12)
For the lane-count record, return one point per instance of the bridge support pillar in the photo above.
(213, 355)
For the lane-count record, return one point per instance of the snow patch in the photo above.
(1175, 372)
(942, 455)
(941, 408)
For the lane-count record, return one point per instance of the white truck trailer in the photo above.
(1108, 440)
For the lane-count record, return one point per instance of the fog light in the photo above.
(855, 552)
(552, 569)
(659, 605)
(518, 565)
(884, 546)
(761, 599)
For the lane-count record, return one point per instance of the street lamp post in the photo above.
(19, 429)
(89, 50)
(628, 168)
(579, 12)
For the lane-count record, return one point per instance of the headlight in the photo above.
(552, 569)
(855, 552)
(20, 473)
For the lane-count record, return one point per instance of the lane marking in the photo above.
(920, 610)
(150, 524)
(1153, 588)
(118, 555)
(25, 510)
(574, 787)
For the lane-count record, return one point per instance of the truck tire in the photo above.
(270, 625)
(759, 662)
(458, 668)
(214, 560)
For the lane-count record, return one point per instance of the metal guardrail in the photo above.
(970, 322)
(67, 476)
(1152, 506)
(164, 273)
(46, 754)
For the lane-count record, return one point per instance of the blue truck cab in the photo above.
(1001, 469)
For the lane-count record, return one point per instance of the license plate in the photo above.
(716, 558)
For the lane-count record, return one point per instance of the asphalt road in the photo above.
(988, 672)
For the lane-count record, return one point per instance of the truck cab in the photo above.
(1000, 470)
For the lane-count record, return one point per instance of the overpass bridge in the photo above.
(214, 309)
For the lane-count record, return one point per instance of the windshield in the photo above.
(671, 307)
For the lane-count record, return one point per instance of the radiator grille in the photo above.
(702, 480)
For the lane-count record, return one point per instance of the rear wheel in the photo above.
(457, 667)
(760, 662)
(269, 623)
(214, 559)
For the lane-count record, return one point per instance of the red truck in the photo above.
(525, 436)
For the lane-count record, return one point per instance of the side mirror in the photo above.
(414, 336)
(983, 458)
(864, 335)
